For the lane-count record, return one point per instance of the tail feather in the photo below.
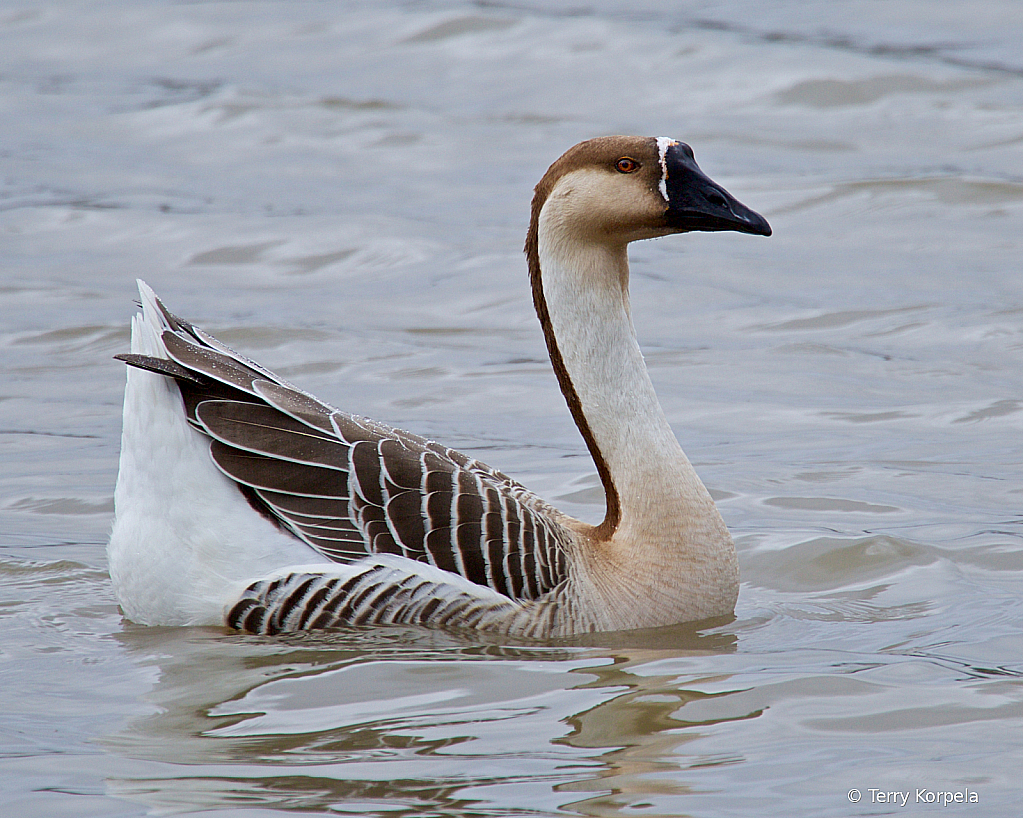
(184, 540)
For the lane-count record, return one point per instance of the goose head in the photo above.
(618, 189)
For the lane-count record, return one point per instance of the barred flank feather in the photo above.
(378, 594)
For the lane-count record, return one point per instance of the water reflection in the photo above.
(428, 720)
(642, 730)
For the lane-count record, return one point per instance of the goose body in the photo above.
(243, 501)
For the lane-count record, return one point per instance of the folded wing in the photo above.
(351, 487)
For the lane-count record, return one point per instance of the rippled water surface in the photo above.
(341, 191)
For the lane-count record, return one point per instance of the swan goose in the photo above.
(243, 501)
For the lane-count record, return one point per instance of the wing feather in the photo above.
(351, 487)
(260, 471)
(262, 429)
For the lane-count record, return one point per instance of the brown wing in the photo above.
(349, 486)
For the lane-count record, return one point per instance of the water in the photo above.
(341, 191)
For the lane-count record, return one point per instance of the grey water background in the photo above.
(341, 190)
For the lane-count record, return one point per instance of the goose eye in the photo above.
(626, 165)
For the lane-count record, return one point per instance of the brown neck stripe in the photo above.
(613, 514)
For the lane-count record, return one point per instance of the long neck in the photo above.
(581, 289)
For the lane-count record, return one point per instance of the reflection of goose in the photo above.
(308, 517)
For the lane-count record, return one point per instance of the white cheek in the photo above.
(663, 143)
